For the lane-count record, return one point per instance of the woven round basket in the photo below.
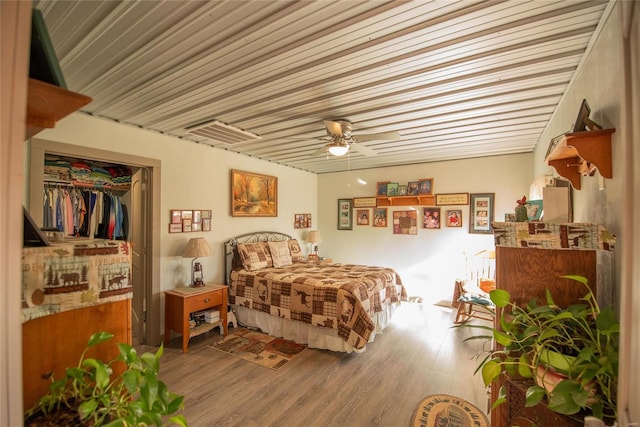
(444, 410)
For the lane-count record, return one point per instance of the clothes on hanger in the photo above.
(84, 212)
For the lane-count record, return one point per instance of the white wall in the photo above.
(428, 262)
(195, 176)
(599, 82)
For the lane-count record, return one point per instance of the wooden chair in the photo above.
(472, 305)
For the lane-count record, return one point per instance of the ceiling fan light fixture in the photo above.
(338, 149)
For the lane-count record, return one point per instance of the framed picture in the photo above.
(175, 228)
(187, 215)
(405, 222)
(364, 202)
(431, 218)
(380, 217)
(534, 210)
(197, 216)
(196, 226)
(176, 217)
(412, 188)
(451, 199)
(481, 213)
(362, 216)
(510, 217)
(302, 221)
(186, 225)
(425, 186)
(206, 214)
(454, 218)
(253, 194)
(402, 190)
(206, 224)
(381, 188)
(392, 189)
(345, 214)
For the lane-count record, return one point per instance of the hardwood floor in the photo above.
(417, 355)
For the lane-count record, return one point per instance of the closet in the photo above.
(85, 198)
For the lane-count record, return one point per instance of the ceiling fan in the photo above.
(342, 138)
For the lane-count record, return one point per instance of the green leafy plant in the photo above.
(571, 353)
(88, 395)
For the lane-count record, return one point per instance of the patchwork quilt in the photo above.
(344, 297)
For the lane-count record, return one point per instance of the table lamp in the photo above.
(196, 248)
(313, 238)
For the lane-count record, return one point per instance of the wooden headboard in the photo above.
(258, 236)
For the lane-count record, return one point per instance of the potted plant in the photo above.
(571, 353)
(87, 395)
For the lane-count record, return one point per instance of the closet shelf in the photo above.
(580, 153)
(423, 200)
(47, 104)
(86, 185)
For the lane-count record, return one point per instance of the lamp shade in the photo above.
(196, 248)
(314, 237)
(338, 149)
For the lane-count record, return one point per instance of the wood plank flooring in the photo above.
(417, 355)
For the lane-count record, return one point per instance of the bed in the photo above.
(338, 307)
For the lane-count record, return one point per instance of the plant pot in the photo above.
(548, 378)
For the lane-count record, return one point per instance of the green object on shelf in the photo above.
(521, 213)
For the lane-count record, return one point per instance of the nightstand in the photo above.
(321, 260)
(179, 303)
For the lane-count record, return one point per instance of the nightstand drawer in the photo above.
(202, 301)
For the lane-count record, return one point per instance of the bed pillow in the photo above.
(295, 250)
(255, 256)
(280, 253)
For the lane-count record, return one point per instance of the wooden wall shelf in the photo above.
(47, 104)
(580, 153)
(422, 200)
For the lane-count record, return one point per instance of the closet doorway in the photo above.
(143, 205)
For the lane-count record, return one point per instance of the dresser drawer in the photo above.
(202, 301)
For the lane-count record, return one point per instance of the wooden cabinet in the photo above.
(69, 292)
(53, 343)
(526, 273)
(181, 302)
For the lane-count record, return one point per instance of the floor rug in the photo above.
(444, 410)
(256, 347)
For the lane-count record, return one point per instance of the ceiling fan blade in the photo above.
(363, 149)
(334, 128)
(384, 136)
(319, 151)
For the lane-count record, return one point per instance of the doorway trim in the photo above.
(35, 186)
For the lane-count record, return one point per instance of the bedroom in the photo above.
(509, 177)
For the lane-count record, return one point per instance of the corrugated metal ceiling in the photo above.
(456, 79)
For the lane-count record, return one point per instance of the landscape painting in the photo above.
(253, 194)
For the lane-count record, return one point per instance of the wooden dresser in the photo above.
(72, 290)
(531, 257)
